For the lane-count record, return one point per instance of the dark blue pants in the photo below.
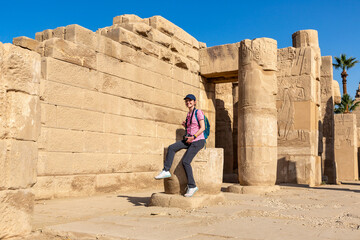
(192, 150)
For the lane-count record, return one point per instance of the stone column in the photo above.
(19, 131)
(257, 140)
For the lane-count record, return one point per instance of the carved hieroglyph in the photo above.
(257, 144)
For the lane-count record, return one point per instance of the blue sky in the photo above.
(212, 22)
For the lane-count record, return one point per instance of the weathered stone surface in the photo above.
(27, 43)
(16, 207)
(127, 18)
(23, 116)
(220, 62)
(305, 38)
(162, 24)
(257, 147)
(208, 162)
(326, 129)
(18, 161)
(20, 69)
(298, 112)
(70, 52)
(252, 189)
(178, 201)
(346, 147)
(336, 92)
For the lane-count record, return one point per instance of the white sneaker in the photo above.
(163, 174)
(190, 191)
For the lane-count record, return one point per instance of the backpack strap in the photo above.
(197, 117)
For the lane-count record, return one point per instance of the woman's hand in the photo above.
(184, 122)
(190, 139)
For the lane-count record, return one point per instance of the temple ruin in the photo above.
(85, 113)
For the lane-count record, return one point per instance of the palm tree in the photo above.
(347, 104)
(344, 63)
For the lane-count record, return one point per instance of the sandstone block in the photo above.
(131, 39)
(44, 187)
(23, 116)
(336, 92)
(122, 182)
(166, 55)
(252, 189)
(59, 71)
(145, 61)
(101, 142)
(66, 186)
(62, 94)
(80, 35)
(115, 85)
(129, 126)
(59, 32)
(90, 163)
(55, 163)
(62, 140)
(132, 163)
(18, 164)
(305, 38)
(220, 61)
(160, 38)
(139, 144)
(178, 201)
(70, 52)
(162, 24)
(39, 36)
(140, 28)
(27, 43)
(20, 69)
(208, 162)
(48, 34)
(16, 207)
(78, 119)
(127, 18)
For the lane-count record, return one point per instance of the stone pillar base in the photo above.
(179, 201)
(236, 188)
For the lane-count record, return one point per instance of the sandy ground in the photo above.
(294, 212)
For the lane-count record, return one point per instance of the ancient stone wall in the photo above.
(19, 132)
(112, 101)
(298, 104)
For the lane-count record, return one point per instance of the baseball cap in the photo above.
(190, 96)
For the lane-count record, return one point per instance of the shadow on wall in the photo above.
(286, 171)
(224, 135)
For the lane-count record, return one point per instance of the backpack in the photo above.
(207, 124)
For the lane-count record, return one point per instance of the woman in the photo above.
(193, 141)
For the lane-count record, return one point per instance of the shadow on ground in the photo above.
(137, 201)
